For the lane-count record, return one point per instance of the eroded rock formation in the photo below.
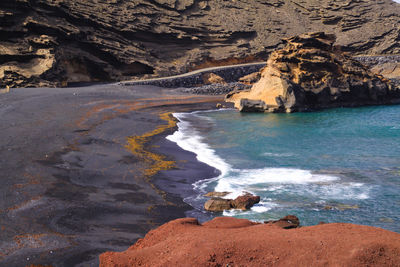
(309, 73)
(56, 42)
(251, 78)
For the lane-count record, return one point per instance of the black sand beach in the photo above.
(71, 189)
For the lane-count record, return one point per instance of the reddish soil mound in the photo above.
(237, 242)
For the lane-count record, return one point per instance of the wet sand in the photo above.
(71, 188)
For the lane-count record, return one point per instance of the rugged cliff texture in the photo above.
(55, 42)
(228, 241)
(309, 73)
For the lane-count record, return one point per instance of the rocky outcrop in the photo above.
(217, 204)
(287, 222)
(311, 73)
(59, 42)
(212, 78)
(243, 202)
(385, 65)
(228, 241)
(250, 78)
(247, 105)
(389, 70)
(217, 194)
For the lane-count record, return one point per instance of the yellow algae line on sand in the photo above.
(137, 145)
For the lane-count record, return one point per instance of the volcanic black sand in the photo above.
(73, 184)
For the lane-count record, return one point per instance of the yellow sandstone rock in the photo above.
(311, 73)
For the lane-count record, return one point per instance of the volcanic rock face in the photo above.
(388, 70)
(228, 241)
(55, 42)
(250, 78)
(308, 73)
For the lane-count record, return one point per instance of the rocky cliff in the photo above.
(56, 42)
(311, 73)
(226, 241)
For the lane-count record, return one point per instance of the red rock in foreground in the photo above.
(228, 241)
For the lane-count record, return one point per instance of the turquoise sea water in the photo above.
(337, 165)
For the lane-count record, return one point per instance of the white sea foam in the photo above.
(282, 176)
(333, 191)
(278, 155)
(263, 181)
(189, 139)
(269, 179)
(261, 207)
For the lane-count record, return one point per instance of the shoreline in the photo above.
(78, 191)
(319, 241)
(174, 180)
(180, 181)
(177, 182)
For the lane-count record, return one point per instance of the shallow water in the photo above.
(337, 165)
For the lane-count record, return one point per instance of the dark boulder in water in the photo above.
(311, 73)
(217, 204)
(287, 222)
(243, 202)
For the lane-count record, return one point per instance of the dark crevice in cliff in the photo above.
(235, 36)
(9, 35)
(19, 58)
(136, 68)
(156, 39)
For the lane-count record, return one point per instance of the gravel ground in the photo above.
(215, 89)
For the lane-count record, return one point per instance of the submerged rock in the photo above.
(311, 73)
(287, 222)
(341, 207)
